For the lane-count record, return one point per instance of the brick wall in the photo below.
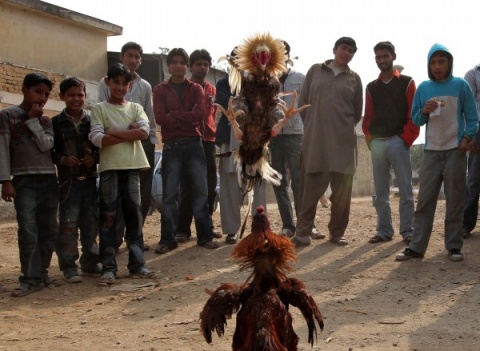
(11, 78)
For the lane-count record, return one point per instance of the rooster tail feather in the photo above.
(235, 80)
(250, 175)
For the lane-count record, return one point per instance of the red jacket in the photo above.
(179, 117)
(210, 112)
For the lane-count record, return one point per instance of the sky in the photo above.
(311, 27)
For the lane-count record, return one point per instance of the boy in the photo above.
(179, 108)
(26, 137)
(140, 92)
(76, 159)
(117, 128)
(447, 107)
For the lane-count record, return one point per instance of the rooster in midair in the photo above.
(257, 113)
(263, 320)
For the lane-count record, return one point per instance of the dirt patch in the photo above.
(369, 301)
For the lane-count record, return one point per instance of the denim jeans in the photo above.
(286, 150)
(185, 207)
(78, 211)
(120, 188)
(387, 153)
(36, 203)
(184, 160)
(470, 209)
(448, 167)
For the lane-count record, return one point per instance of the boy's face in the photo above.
(132, 59)
(74, 98)
(36, 95)
(439, 67)
(384, 60)
(200, 69)
(343, 54)
(118, 87)
(178, 67)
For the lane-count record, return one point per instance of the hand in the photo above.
(290, 111)
(464, 145)
(430, 106)
(70, 161)
(88, 161)
(473, 146)
(36, 111)
(8, 191)
(134, 125)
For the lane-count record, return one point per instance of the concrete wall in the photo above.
(36, 39)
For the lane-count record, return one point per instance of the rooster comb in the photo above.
(260, 209)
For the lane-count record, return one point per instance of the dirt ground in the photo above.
(369, 301)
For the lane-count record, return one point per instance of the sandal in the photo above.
(107, 278)
(25, 289)
(317, 235)
(50, 282)
(375, 239)
(211, 244)
(297, 242)
(143, 272)
(162, 249)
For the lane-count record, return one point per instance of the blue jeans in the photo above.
(184, 159)
(78, 211)
(387, 153)
(470, 209)
(185, 206)
(120, 188)
(285, 151)
(36, 203)
(448, 167)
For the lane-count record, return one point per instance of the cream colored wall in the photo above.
(39, 40)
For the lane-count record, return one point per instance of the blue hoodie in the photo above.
(458, 116)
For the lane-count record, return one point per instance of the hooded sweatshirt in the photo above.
(458, 116)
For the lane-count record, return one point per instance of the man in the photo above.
(286, 149)
(334, 92)
(179, 107)
(470, 213)
(141, 93)
(389, 133)
(200, 63)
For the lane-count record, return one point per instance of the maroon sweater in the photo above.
(179, 116)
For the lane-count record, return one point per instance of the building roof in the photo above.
(57, 11)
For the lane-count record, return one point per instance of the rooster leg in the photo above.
(232, 118)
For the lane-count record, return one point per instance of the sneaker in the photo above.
(72, 277)
(455, 255)
(407, 254)
(286, 232)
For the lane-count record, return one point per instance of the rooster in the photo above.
(257, 113)
(263, 320)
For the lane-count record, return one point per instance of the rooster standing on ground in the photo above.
(263, 320)
(257, 113)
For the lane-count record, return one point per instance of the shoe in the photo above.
(163, 249)
(375, 239)
(213, 244)
(407, 240)
(339, 241)
(146, 247)
(407, 254)
(231, 238)
(455, 255)
(181, 238)
(286, 232)
(303, 242)
(25, 289)
(316, 235)
(143, 272)
(216, 233)
(466, 233)
(72, 277)
(107, 278)
(50, 282)
(93, 271)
